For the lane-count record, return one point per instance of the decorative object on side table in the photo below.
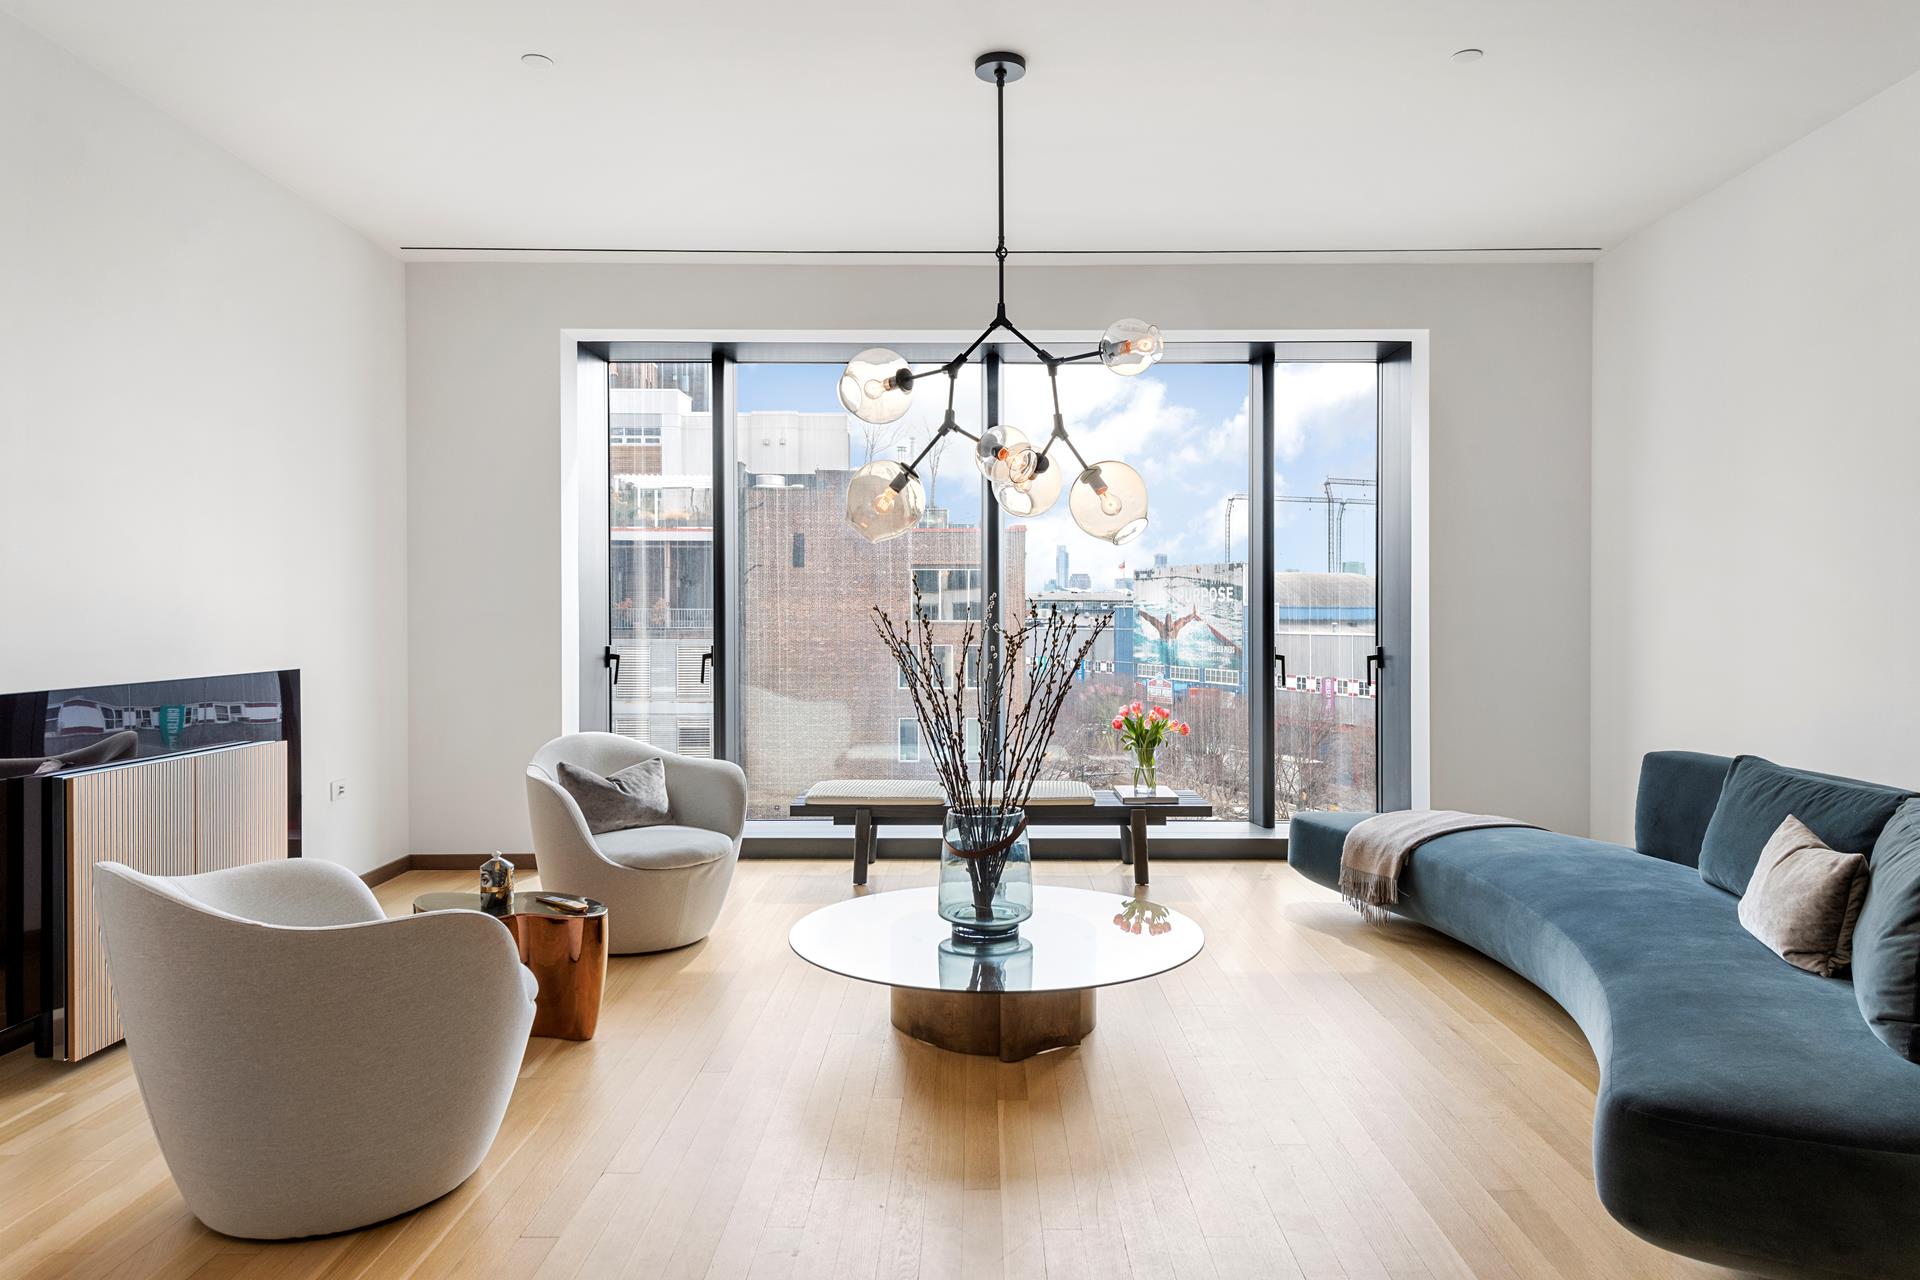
(496, 884)
(1025, 673)
(1143, 729)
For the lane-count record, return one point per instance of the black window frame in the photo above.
(1393, 514)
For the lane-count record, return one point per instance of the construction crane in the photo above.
(1337, 504)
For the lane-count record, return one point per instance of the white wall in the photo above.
(1510, 404)
(202, 434)
(1756, 442)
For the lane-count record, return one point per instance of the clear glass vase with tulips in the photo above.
(1143, 729)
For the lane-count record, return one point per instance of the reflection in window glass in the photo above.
(822, 697)
(1175, 598)
(660, 552)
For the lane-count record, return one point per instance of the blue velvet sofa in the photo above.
(1747, 1115)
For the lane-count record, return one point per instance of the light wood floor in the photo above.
(1311, 1097)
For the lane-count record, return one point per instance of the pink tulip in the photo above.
(1118, 722)
(1184, 729)
(1161, 713)
(1134, 709)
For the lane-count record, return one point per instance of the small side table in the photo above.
(566, 952)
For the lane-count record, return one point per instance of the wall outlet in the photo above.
(337, 789)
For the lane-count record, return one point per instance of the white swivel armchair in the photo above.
(663, 886)
(309, 1065)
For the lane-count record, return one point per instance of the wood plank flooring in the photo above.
(1310, 1098)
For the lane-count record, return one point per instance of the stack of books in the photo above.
(1146, 795)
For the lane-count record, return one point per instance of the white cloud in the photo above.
(1308, 398)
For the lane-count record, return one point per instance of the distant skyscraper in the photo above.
(1159, 559)
(1080, 581)
(1060, 574)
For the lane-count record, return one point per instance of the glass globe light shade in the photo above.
(884, 500)
(1109, 500)
(1036, 493)
(1005, 455)
(877, 386)
(1131, 346)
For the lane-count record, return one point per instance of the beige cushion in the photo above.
(1803, 899)
(663, 848)
(878, 792)
(903, 792)
(1050, 793)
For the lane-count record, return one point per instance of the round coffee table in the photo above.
(566, 951)
(1009, 1000)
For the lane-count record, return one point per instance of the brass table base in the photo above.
(1008, 1025)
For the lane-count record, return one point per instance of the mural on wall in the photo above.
(1188, 625)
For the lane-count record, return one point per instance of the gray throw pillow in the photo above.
(1886, 942)
(634, 797)
(1804, 899)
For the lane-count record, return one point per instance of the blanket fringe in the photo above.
(1369, 894)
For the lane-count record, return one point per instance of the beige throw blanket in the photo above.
(1377, 850)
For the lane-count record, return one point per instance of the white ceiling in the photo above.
(814, 125)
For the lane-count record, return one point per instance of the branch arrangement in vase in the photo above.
(1024, 675)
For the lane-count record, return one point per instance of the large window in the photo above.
(1276, 676)
(660, 552)
(821, 698)
(1326, 491)
(1174, 600)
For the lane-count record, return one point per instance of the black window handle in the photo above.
(611, 658)
(1281, 658)
(706, 660)
(1375, 660)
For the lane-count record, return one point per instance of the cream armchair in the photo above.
(309, 1065)
(663, 886)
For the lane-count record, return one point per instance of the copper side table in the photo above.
(567, 953)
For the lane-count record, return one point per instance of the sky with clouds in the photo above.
(1182, 426)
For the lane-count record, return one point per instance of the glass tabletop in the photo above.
(524, 904)
(1076, 938)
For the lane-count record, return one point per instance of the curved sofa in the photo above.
(1746, 1115)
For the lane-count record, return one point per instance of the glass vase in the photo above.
(986, 874)
(1145, 774)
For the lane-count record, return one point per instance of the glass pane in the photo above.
(1176, 597)
(822, 697)
(660, 552)
(1325, 484)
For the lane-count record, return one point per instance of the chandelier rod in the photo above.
(1000, 185)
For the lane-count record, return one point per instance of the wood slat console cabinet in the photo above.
(172, 816)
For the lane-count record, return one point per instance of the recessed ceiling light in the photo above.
(1464, 56)
(542, 60)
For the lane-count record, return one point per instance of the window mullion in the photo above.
(1260, 639)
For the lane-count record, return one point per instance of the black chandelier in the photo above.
(1108, 499)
